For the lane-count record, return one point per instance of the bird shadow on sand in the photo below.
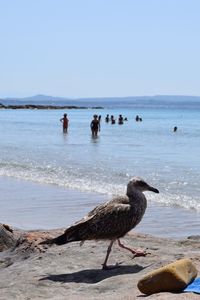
(92, 276)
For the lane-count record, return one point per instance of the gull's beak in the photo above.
(152, 189)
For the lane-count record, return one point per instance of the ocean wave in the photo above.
(74, 178)
(176, 200)
(71, 178)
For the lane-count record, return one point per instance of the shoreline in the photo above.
(33, 206)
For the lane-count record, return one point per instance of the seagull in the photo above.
(111, 220)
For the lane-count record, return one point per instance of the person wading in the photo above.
(95, 125)
(65, 122)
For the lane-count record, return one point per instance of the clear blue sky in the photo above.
(88, 48)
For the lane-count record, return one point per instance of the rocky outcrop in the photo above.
(7, 238)
(34, 106)
(22, 241)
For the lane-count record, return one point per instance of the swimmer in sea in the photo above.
(112, 119)
(120, 120)
(95, 125)
(107, 118)
(65, 122)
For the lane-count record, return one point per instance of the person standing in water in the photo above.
(95, 125)
(107, 119)
(120, 120)
(65, 122)
(112, 119)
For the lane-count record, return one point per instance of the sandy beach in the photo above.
(32, 271)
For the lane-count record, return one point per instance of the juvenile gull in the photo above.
(110, 220)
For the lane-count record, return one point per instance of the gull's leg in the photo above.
(105, 267)
(135, 252)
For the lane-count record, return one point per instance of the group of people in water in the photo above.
(95, 123)
(111, 119)
(138, 119)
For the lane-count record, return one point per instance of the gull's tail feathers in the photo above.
(71, 234)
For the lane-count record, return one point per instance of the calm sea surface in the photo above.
(34, 148)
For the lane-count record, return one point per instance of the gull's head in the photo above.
(139, 184)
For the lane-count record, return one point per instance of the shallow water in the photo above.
(28, 205)
(34, 148)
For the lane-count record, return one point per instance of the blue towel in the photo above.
(193, 287)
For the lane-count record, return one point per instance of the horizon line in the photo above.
(99, 97)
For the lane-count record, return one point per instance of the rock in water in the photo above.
(173, 277)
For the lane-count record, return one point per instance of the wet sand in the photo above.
(27, 205)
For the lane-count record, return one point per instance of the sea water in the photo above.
(34, 148)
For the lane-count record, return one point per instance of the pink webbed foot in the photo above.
(136, 253)
(140, 252)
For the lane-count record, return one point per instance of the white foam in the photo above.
(97, 180)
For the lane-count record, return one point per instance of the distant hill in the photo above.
(36, 98)
(135, 101)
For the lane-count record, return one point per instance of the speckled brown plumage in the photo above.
(111, 220)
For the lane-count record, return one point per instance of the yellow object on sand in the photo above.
(173, 277)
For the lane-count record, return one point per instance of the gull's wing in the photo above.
(107, 221)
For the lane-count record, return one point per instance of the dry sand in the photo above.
(30, 271)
